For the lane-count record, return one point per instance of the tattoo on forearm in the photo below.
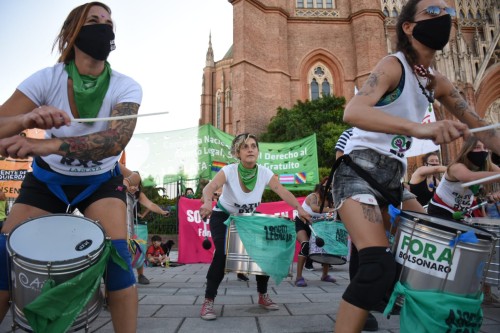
(371, 213)
(110, 142)
(461, 107)
(370, 84)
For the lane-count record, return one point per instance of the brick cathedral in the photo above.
(289, 50)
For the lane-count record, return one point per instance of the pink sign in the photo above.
(192, 232)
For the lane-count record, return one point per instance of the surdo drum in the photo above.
(493, 226)
(430, 258)
(58, 247)
(335, 236)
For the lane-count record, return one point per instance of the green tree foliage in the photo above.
(322, 116)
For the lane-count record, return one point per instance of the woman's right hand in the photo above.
(442, 131)
(45, 117)
(206, 210)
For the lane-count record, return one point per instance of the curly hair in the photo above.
(239, 140)
(70, 29)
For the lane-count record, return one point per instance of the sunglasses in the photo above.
(436, 10)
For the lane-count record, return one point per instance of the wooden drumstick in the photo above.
(485, 128)
(131, 116)
(482, 180)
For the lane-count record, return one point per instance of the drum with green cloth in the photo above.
(260, 244)
(335, 236)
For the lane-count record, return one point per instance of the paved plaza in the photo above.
(172, 302)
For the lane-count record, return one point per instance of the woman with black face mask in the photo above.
(76, 166)
(472, 163)
(386, 114)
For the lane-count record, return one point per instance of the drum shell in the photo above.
(237, 258)
(28, 275)
(319, 254)
(493, 226)
(469, 270)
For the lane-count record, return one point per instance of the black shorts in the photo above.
(299, 225)
(35, 193)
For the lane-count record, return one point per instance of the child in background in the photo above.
(155, 253)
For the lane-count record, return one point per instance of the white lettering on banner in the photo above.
(193, 216)
(203, 233)
(285, 166)
(427, 257)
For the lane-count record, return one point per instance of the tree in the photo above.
(322, 116)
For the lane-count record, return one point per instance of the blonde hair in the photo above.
(239, 140)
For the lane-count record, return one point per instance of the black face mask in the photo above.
(434, 32)
(96, 40)
(478, 158)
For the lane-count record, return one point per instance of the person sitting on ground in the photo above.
(155, 253)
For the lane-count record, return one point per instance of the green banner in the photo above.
(203, 151)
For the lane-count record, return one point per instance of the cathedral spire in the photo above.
(209, 62)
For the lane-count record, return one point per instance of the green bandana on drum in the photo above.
(435, 311)
(58, 306)
(248, 176)
(268, 240)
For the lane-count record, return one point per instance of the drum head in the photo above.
(444, 224)
(55, 238)
(486, 221)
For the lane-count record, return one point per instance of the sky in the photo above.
(162, 44)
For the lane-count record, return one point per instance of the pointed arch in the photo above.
(489, 90)
(331, 63)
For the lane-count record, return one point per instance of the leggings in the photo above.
(216, 270)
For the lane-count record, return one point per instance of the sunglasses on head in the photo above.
(436, 10)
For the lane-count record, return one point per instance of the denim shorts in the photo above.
(387, 171)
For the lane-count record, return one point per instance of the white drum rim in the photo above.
(487, 221)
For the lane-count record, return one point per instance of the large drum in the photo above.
(493, 226)
(431, 258)
(270, 230)
(58, 247)
(335, 236)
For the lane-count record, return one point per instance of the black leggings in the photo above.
(216, 270)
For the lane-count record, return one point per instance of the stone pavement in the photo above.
(172, 302)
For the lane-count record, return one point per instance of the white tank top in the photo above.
(453, 195)
(233, 199)
(411, 105)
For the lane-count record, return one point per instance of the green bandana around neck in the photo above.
(248, 176)
(89, 91)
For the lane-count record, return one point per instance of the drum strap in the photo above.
(363, 174)
(55, 181)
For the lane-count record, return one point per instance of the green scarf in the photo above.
(57, 306)
(89, 91)
(248, 176)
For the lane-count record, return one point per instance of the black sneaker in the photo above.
(371, 324)
(242, 277)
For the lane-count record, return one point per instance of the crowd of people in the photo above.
(77, 166)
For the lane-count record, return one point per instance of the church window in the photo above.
(218, 111)
(315, 4)
(320, 82)
(300, 3)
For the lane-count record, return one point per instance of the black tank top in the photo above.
(422, 191)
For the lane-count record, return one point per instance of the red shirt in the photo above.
(155, 251)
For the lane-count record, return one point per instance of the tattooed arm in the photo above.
(449, 96)
(361, 113)
(95, 146)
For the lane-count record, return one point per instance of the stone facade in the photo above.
(280, 46)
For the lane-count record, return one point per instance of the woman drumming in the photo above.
(81, 159)
(242, 185)
(386, 113)
(425, 179)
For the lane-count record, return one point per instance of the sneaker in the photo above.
(266, 302)
(242, 277)
(328, 278)
(142, 279)
(301, 282)
(207, 310)
(309, 267)
(371, 324)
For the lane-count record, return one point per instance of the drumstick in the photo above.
(131, 116)
(319, 241)
(482, 180)
(206, 243)
(484, 128)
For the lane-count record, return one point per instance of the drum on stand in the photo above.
(427, 260)
(336, 247)
(57, 247)
(237, 258)
(493, 226)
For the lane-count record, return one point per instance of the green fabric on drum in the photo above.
(268, 240)
(435, 311)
